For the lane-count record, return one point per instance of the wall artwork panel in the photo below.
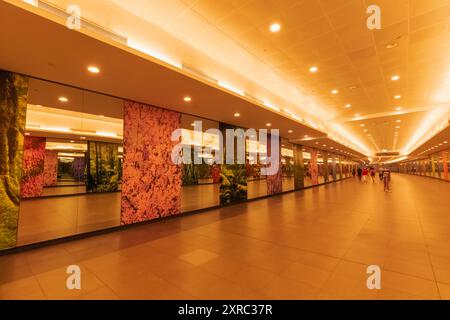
(233, 177)
(103, 167)
(151, 185)
(50, 168)
(33, 167)
(13, 105)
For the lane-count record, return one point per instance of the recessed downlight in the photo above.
(63, 99)
(275, 27)
(397, 97)
(398, 121)
(334, 91)
(348, 105)
(237, 114)
(313, 69)
(187, 99)
(399, 108)
(395, 77)
(290, 131)
(93, 69)
(268, 124)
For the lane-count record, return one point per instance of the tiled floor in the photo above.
(311, 244)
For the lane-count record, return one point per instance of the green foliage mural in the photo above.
(299, 168)
(233, 186)
(13, 104)
(234, 183)
(103, 167)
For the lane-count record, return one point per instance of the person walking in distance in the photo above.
(372, 174)
(387, 180)
(380, 174)
(359, 173)
(365, 173)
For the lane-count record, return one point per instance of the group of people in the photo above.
(383, 174)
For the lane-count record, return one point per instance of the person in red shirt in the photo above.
(365, 173)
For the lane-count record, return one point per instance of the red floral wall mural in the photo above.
(33, 167)
(50, 168)
(274, 182)
(151, 186)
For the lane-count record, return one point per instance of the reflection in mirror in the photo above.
(256, 183)
(287, 165)
(201, 178)
(72, 161)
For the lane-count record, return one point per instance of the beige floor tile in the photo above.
(103, 293)
(54, 284)
(408, 284)
(23, 289)
(306, 274)
(409, 268)
(198, 257)
(288, 289)
(444, 291)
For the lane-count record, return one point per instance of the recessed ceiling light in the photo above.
(101, 116)
(290, 131)
(348, 105)
(399, 108)
(313, 69)
(275, 27)
(237, 114)
(362, 124)
(93, 69)
(324, 145)
(395, 77)
(63, 99)
(268, 124)
(445, 142)
(334, 91)
(187, 99)
(398, 121)
(397, 127)
(365, 130)
(397, 97)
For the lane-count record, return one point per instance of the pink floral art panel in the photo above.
(274, 182)
(33, 167)
(151, 182)
(50, 168)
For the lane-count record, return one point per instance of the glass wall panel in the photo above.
(256, 182)
(287, 165)
(72, 166)
(201, 177)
